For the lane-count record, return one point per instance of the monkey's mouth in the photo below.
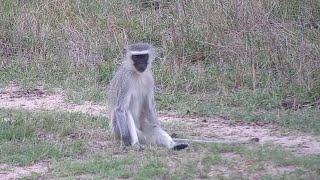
(141, 66)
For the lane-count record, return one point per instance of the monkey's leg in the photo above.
(164, 139)
(153, 131)
(156, 135)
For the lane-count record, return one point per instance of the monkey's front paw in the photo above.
(178, 147)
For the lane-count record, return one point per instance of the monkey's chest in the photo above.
(138, 108)
(140, 89)
(139, 102)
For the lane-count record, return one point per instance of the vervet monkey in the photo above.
(134, 118)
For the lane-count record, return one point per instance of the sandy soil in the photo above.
(201, 128)
(12, 172)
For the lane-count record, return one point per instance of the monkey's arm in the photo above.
(122, 124)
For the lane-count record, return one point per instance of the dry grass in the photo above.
(233, 58)
(205, 46)
(213, 55)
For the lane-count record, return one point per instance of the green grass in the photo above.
(239, 62)
(27, 152)
(262, 106)
(216, 58)
(28, 137)
(66, 141)
(248, 107)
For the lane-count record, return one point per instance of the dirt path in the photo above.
(15, 172)
(209, 128)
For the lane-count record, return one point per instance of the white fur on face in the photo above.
(129, 63)
(140, 52)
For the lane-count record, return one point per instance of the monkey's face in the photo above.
(140, 61)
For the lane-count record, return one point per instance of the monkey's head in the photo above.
(139, 56)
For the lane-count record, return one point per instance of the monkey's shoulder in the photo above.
(122, 76)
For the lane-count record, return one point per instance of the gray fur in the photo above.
(132, 95)
(139, 47)
(133, 115)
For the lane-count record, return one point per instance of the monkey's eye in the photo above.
(140, 58)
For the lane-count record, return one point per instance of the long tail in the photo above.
(213, 141)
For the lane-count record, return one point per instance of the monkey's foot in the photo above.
(179, 147)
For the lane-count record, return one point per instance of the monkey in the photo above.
(134, 118)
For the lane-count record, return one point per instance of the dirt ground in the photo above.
(10, 172)
(14, 97)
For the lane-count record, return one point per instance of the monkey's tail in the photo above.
(215, 141)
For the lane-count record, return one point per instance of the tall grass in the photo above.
(205, 46)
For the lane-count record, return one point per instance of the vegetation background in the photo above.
(237, 59)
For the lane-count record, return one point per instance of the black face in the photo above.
(140, 61)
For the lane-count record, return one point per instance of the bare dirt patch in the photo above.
(14, 172)
(238, 166)
(209, 128)
(39, 99)
(220, 129)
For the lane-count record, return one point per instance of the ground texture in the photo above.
(38, 99)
